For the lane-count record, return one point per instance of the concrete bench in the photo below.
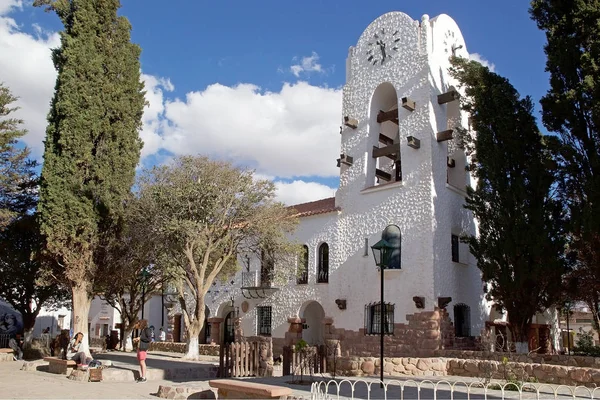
(232, 389)
(6, 354)
(60, 366)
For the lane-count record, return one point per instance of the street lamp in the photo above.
(144, 275)
(382, 252)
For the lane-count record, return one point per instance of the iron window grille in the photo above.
(302, 277)
(374, 322)
(263, 314)
(455, 257)
(323, 270)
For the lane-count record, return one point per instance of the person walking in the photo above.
(143, 345)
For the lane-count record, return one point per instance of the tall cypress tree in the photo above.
(92, 141)
(571, 108)
(520, 242)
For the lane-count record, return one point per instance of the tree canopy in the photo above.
(571, 109)
(204, 214)
(520, 242)
(17, 171)
(92, 144)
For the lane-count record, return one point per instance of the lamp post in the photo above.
(145, 274)
(382, 251)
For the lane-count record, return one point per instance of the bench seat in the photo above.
(232, 389)
(60, 366)
(6, 351)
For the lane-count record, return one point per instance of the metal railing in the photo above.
(4, 338)
(256, 279)
(443, 389)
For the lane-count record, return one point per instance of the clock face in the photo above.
(451, 45)
(382, 46)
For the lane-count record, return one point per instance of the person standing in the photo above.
(143, 346)
(162, 336)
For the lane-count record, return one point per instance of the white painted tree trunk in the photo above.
(193, 350)
(522, 347)
(81, 309)
(128, 343)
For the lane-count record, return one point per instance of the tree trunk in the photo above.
(127, 343)
(27, 338)
(28, 325)
(519, 332)
(192, 340)
(81, 309)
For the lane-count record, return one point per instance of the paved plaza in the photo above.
(38, 384)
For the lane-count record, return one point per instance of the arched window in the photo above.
(302, 273)
(462, 320)
(384, 164)
(323, 268)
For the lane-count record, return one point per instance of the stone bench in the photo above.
(60, 366)
(232, 389)
(6, 354)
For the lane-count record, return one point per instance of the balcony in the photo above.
(257, 284)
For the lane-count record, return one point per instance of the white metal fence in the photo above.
(426, 389)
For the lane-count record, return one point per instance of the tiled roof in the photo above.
(315, 207)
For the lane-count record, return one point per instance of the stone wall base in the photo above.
(174, 347)
(413, 366)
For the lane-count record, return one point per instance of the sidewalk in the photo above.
(17, 384)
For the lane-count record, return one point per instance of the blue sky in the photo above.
(212, 68)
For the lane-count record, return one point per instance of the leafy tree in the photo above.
(131, 276)
(520, 240)
(204, 213)
(92, 142)
(17, 171)
(21, 271)
(571, 108)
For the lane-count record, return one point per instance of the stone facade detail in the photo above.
(413, 366)
(424, 333)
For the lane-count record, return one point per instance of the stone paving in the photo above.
(18, 384)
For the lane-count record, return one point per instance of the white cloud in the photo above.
(483, 61)
(26, 68)
(298, 192)
(288, 133)
(307, 65)
(292, 132)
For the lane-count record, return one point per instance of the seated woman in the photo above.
(74, 354)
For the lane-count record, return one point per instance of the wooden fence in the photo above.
(312, 360)
(238, 359)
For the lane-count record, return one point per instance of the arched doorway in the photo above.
(177, 328)
(313, 327)
(229, 328)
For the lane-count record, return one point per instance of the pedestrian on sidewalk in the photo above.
(143, 345)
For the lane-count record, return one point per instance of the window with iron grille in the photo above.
(263, 323)
(455, 257)
(373, 320)
(323, 268)
(302, 277)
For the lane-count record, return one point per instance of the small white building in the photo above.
(398, 166)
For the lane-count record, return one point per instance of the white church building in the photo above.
(399, 165)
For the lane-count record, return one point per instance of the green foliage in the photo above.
(571, 108)
(17, 175)
(203, 214)
(21, 270)
(585, 344)
(92, 144)
(300, 345)
(520, 241)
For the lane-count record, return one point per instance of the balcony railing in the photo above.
(257, 279)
